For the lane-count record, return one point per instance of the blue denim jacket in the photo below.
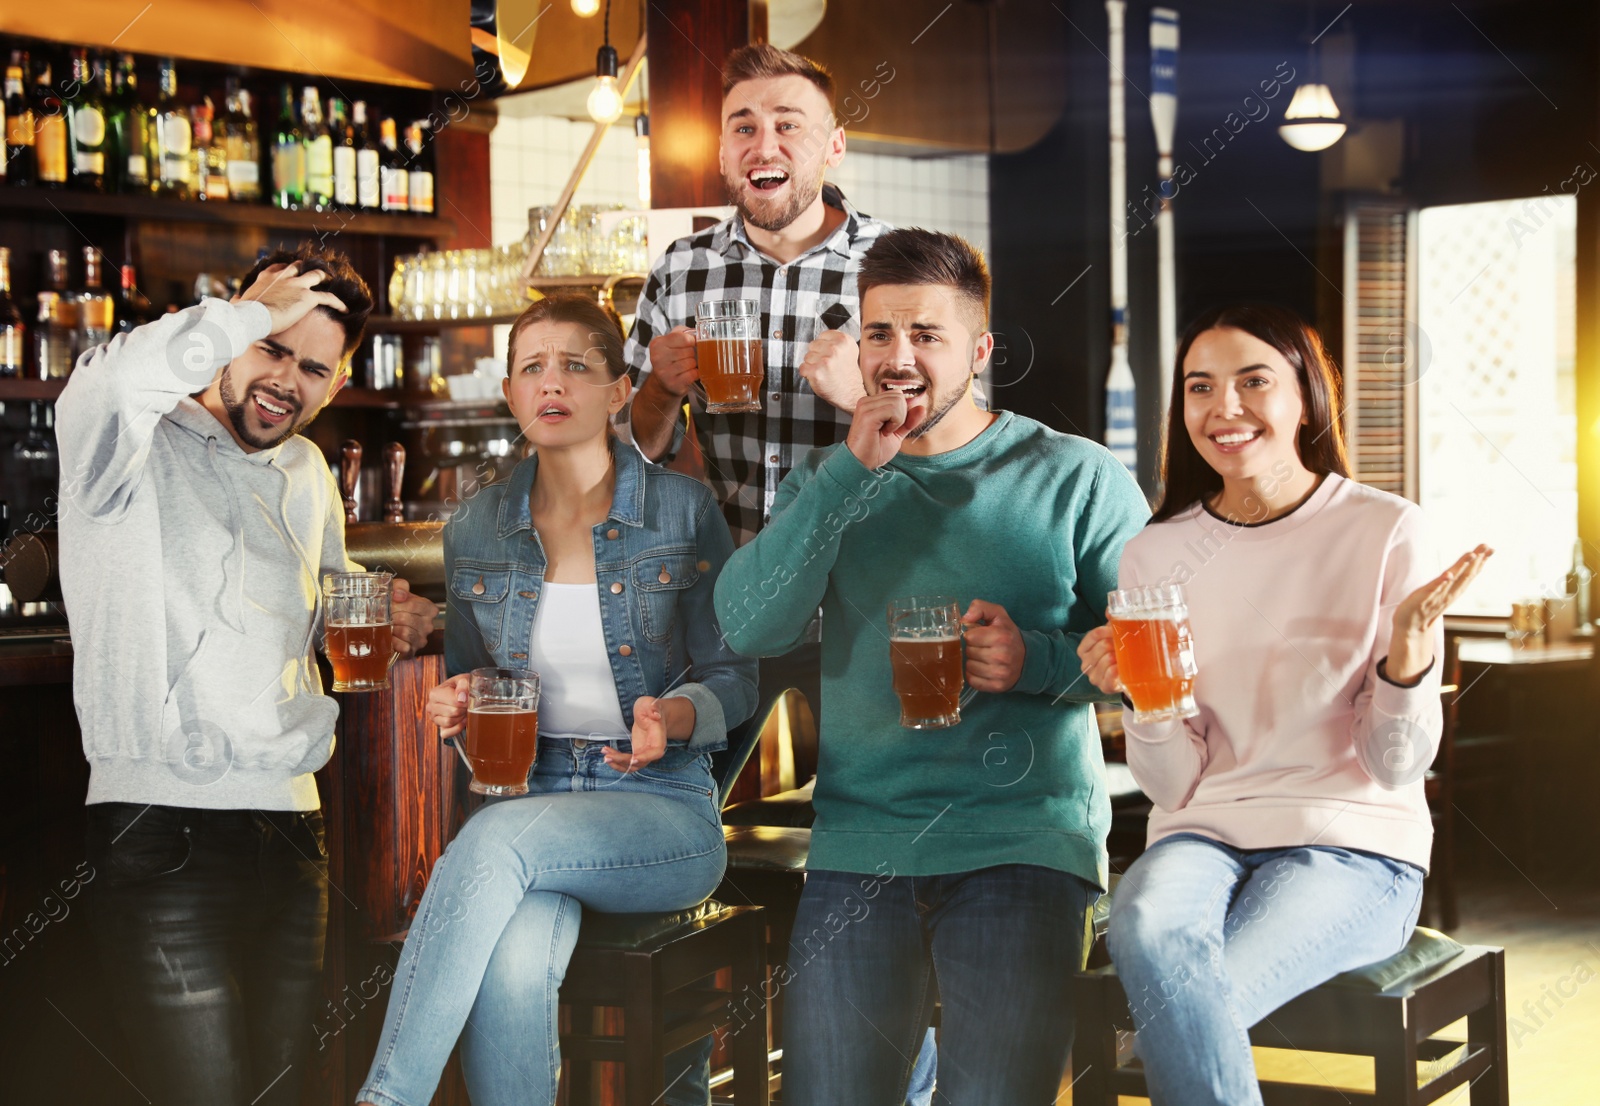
(656, 558)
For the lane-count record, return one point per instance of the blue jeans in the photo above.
(870, 953)
(498, 923)
(1209, 940)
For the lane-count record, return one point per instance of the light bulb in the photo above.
(585, 8)
(1311, 121)
(605, 100)
(641, 140)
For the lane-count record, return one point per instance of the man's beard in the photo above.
(946, 404)
(236, 413)
(801, 196)
(938, 405)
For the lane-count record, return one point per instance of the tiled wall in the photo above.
(531, 158)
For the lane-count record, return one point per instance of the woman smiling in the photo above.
(1290, 833)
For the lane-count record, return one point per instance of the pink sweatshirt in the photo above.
(1298, 741)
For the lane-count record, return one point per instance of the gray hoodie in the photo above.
(191, 571)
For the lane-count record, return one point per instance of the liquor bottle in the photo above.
(288, 158)
(50, 143)
(344, 155)
(368, 172)
(132, 308)
(87, 119)
(421, 183)
(21, 165)
(394, 177)
(1579, 580)
(129, 128)
(174, 139)
(210, 158)
(54, 335)
(95, 309)
(13, 332)
(319, 150)
(243, 145)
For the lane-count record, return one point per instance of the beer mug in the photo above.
(728, 349)
(926, 655)
(502, 738)
(357, 623)
(1155, 654)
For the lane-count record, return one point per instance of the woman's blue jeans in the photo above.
(1209, 940)
(494, 931)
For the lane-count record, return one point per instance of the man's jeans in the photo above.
(998, 948)
(1209, 940)
(210, 924)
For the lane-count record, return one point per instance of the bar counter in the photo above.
(391, 801)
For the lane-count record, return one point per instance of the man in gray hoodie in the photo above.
(195, 526)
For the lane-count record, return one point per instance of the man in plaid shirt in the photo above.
(793, 246)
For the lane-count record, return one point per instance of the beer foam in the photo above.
(359, 625)
(499, 708)
(942, 639)
(1148, 616)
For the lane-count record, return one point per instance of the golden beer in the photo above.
(1155, 654)
(927, 677)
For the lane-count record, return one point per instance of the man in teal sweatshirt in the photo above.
(954, 864)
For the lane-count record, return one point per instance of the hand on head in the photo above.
(289, 295)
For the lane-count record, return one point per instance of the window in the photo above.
(1496, 409)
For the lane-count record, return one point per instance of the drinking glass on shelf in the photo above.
(1155, 653)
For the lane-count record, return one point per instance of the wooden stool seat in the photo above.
(1389, 1011)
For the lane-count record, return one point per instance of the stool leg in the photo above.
(1094, 1043)
(749, 1042)
(644, 1066)
(1486, 1027)
(579, 1074)
(1395, 1065)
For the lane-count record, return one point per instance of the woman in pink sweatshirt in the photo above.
(1290, 833)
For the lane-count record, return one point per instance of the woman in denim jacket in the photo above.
(596, 569)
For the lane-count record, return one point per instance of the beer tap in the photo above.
(350, 476)
(394, 465)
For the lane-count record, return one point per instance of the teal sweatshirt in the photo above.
(1022, 516)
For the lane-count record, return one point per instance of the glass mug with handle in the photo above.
(358, 629)
(728, 350)
(928, 660)
(1155, 652)
(501, 740)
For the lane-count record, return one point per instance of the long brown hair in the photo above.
(1186, 477)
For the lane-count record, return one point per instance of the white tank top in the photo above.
(577, 692)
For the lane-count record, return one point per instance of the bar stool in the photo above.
(1389, 1011)
(658, 969)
